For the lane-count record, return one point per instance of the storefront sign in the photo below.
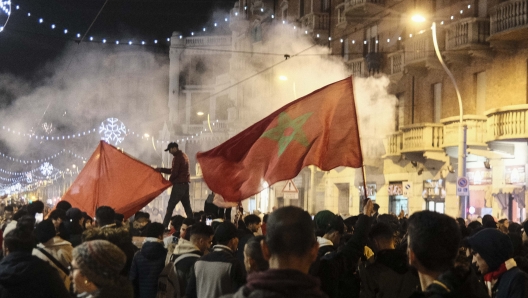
(479, 176)
(434, 190)
(395, 189)
(515, 175)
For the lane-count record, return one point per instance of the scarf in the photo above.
(491, 278)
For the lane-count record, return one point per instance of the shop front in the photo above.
(434, 194)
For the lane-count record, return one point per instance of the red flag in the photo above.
(318, 129)
(112, 178)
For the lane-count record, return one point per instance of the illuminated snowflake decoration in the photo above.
(48, 128)
(29, 177)
(5, 13)
(46, 169)
(112, 131)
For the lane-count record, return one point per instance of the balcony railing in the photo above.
(467, 32)
(422, 137)
(396, 62)
(208, 41)
(507, 123)
(393, 145)
(316, 21)
(475, 134)
(509, 16)
(419, 49)
(357, 67)
(362, 8)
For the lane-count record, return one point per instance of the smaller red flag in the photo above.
(112, 178)
(319, 129)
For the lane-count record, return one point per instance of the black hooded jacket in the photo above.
(146, 268)
(23, 275)
(389, 265)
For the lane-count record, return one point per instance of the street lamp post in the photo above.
(461, 126)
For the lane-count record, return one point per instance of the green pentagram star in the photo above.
(285, 122)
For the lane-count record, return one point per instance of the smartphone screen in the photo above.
(39, 217)
(208, 221)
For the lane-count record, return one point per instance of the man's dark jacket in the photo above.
(330, 267)
(146, 268)
(511, 284)
(23, 275)
(389, 276)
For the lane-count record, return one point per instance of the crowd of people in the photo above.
(286, 253)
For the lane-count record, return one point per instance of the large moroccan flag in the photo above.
(318, 129)
(112, 178)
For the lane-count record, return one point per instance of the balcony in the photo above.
(317, 23)
(357, 67)
(419, 50)
(470, 33)
(395, 65)
(207, 41)
(422, 137)
(475, 135)
(509, 21)
(393, 144)
(507, 123)
(194, 129)
(357, 10)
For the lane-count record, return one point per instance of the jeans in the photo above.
(179, 193)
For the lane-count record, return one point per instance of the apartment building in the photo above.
(484, 45)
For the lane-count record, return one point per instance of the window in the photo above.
(437, 101)
(325, 5)
(301, 8)
(344, 49)
(400, 119)
(480, 92)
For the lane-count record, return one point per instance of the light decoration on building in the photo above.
(5, 13)
(29, 177)
(112, 131)
(46, 169)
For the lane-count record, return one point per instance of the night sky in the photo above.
(26, 45)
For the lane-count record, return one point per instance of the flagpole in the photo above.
(360, 149)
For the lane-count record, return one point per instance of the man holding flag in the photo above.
(180, 178)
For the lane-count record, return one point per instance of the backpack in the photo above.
(169, 283)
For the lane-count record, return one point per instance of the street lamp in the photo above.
(461, 126)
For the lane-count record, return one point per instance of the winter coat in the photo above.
(460, 282)
(74, 232)
(184, 266)
(23, 275)
(511, 284)
(335, 264)
(59, 249)
(146, 268)
(243, 237)
(389, 265)
(276, 283)
(215, 274)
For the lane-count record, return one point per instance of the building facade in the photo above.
(414, 168)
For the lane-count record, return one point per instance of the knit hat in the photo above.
(322, 219)
(493, 246)
(74, 213)
(100, 261)
(225, 232)
(44, 231)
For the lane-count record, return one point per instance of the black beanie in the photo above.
(225, 232)
(493, 246)
(44, 231)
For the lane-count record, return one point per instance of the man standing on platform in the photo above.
(180, 179)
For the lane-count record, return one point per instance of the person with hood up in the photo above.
(95, 271)
(24, 275)
(492, 251)
(53, 249)
(148, 263)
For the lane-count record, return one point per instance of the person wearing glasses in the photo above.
(95, 271)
